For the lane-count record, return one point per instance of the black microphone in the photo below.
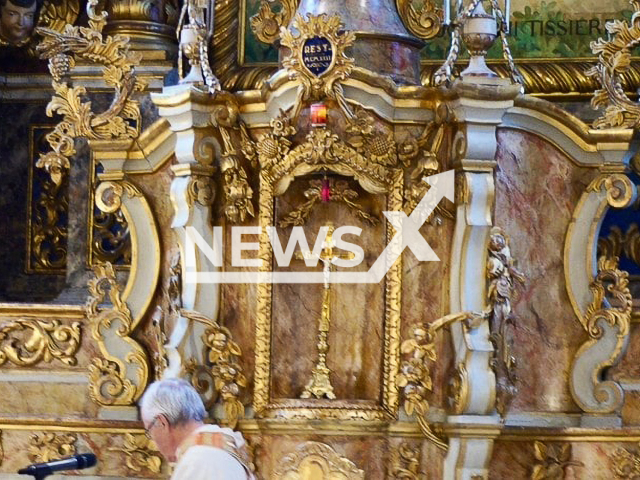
(77, 462)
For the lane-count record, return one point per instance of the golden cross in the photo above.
(320, 384)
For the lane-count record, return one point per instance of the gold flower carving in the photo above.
(28, 342)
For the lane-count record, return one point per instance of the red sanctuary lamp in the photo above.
(318, 115)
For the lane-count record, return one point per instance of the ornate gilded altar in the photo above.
(148, 156)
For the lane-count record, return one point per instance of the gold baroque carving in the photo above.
(327, 84)
(405, 463)
(459, 389)
(614, 58)
(238, 194)
(617, 243)
(28, 342)
(1, 449)
(200, 190)
(51, 446)
(420, 351)
(108, 199)
(620, 190)
(159, 357)
(424, 23)
(337, 191)
(266, 24)
(47, 244)
(368, 156)
(158, 319)
(551, 461)
(109, 195)
(141, 453)
(616, 282)
(121, 120)
(224, 370)
(310, 459)
(427, 165)
(414, 378)
(110, 382)
(626, 463)
(110, 239)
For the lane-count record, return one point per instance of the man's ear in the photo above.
(162, 418)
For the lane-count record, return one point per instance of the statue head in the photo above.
(17, 19)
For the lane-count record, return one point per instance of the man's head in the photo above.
(17, 19)
(170, 410)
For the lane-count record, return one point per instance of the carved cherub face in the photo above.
(17, 20)
(497, 242)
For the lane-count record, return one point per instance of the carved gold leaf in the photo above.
(141, 453)
(615, 282)
(51, 446)
(238, 194)
(614, 59)
(110, 376)
(405, 463)
(266, 23)
(120, 120)
(108, 199)
(551, 461)
(312, 459)
(626, 463)
(339, 191)
(617, 243)
(620, 190)
(424, 23)
(28, 342)
(48, 229)
(459, 389)
(223, 369)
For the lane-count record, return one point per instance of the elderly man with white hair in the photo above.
(173, 416)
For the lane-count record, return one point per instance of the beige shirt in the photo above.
(199, 459)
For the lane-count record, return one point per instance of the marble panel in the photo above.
(425, 289)
(537, 189)
(61, 396)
